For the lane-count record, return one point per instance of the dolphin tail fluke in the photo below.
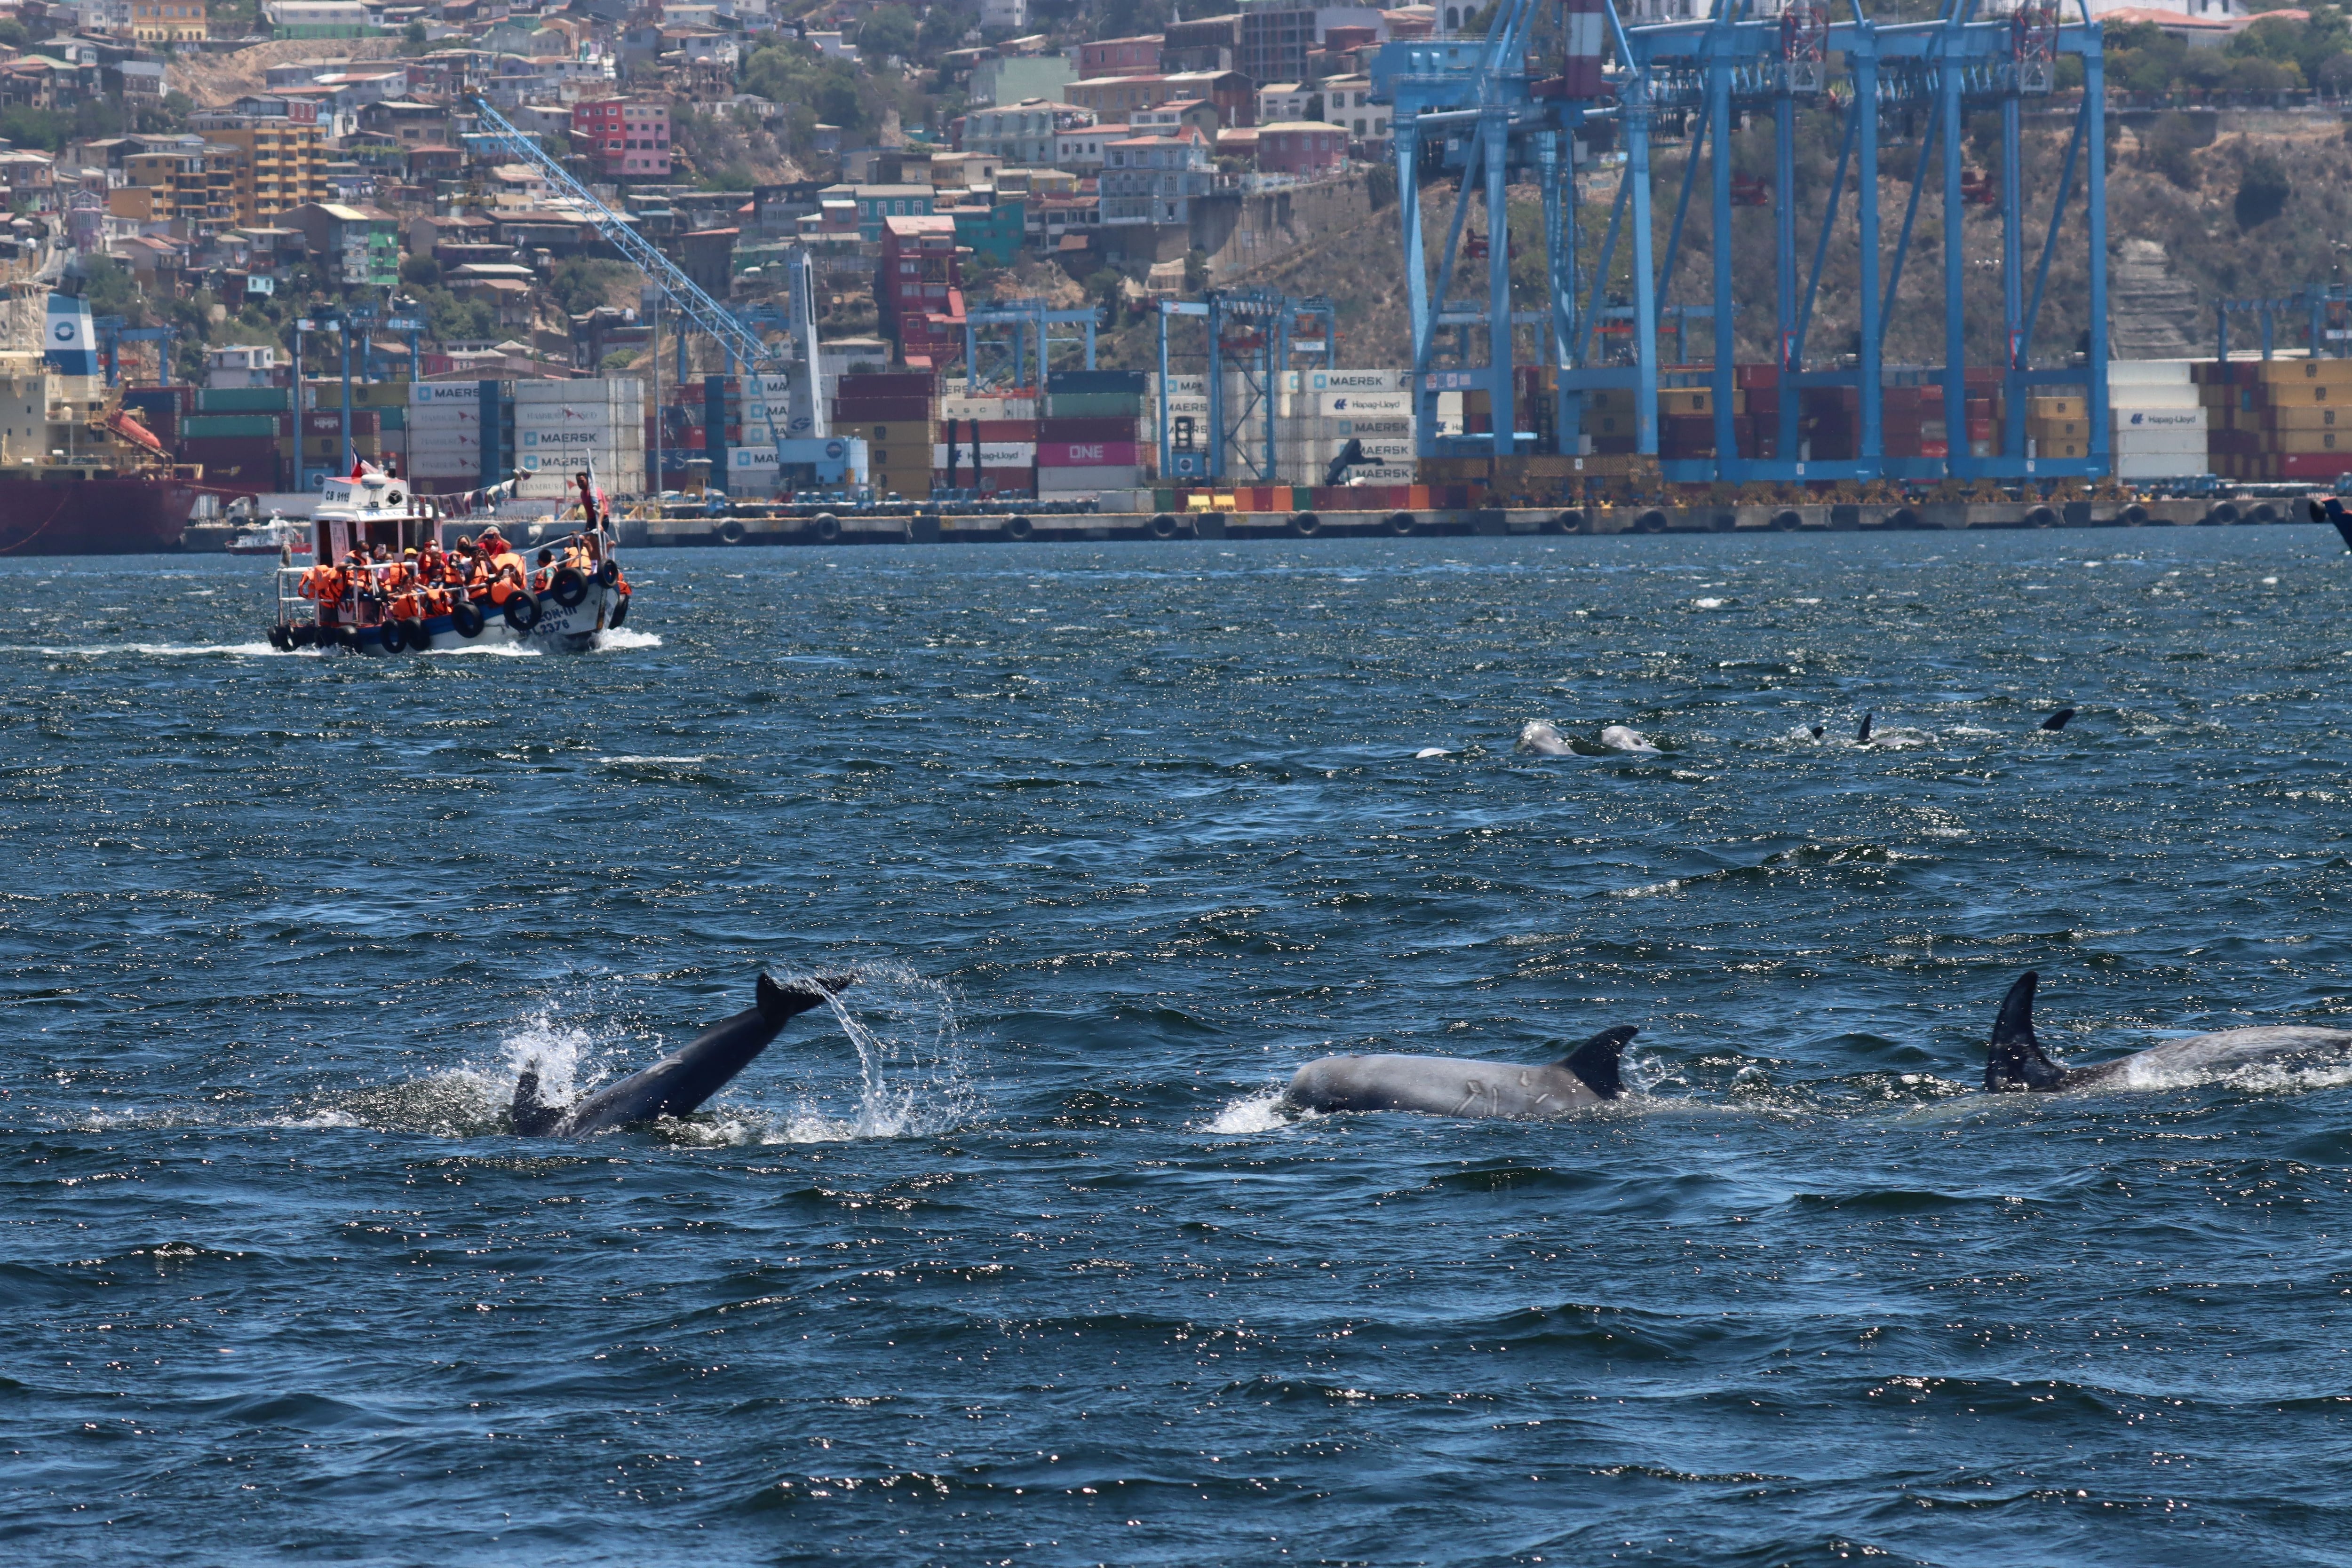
(780, 1004)
(1863, 733)
(1595, 1062)
(2333, 510)
(2058, 720)
(2015, 1059)
(530, 1116)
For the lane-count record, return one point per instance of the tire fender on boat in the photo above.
(466, 619)
(414, 633)
(522, 613)
(570, 587)
(394, 641)
(620, 612)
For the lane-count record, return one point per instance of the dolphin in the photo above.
(1621, 738)
(1539, 736)
(677, 1083)
(2332, 510)
(1862, 732)
(2015, 1061)
(1452, 1086)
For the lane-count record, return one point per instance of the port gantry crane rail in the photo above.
(1485, 106)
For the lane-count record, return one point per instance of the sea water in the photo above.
(1012, 1255)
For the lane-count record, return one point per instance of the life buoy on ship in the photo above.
(466, 618)
(522, 613)
(393, 639)
(570, 587)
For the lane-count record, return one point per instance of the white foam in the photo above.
(651, 761)
(621, 639)
(1258, 1113)
(486, 649)
(912, 1081)
(1708, 604)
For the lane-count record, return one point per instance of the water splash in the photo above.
(912, 1078)
(622, 639)
(1258, 1113)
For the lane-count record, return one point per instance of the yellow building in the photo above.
(157, 186)
(168, 21)
(279, 164)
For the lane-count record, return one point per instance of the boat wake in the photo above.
(622, 639)
(160, 649)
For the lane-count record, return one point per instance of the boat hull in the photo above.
(558, 630)
(91, 517)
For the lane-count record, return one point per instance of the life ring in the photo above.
(827, 528)
(570, 587)
(1019, 527)
(522, 613)
(1306, 525)
(1400, 524)
(732, 532)
(467, 618)
(608, 573)
(393, 639)
(1165, 527)
(620, 612)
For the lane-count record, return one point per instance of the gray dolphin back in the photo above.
(678, 1083)
(1453, 1086)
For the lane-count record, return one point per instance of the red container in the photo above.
(998, 429)
(880, 410)
(1106, 427)
(364, 422)
(1750, 377)
(1981, 430)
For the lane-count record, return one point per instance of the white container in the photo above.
(992, 454)
(2192, 418)
(429, 394)
(622, 391)
(1391, 474)
(988, 408)
(2148, 374)
(2181, 396)
(553, 415)
(1347, 380)
(1088, 481)
(2160, 466)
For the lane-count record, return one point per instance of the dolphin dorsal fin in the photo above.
(1862, 732)
(2057, 721)
(2015, 1059)
(1595, 1062)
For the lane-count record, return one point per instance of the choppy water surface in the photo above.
(1014, 1262)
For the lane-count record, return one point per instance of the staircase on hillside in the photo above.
(2152, 314)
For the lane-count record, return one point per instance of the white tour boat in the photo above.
(380, 605)
(279, 536)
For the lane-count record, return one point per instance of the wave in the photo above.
(623, 639)
(163, 650)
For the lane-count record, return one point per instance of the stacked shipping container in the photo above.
(2278, 419)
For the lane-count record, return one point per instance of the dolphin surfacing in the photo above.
(2015, 1061)
(679, 1082)
(1453, 1086)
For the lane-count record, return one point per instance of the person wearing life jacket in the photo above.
(436, 597)
(431, 565)
(505, 584)
(322, 585)
(544, 578)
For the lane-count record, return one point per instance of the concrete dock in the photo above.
(923, 527)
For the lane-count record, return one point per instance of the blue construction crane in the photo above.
(1252, 333)
(1031, 322)
(1481, 105)
(2329, 309)
(113, 332)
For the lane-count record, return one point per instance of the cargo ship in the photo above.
(79, 475)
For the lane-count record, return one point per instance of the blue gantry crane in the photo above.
(1534, 96)
(1251, 335)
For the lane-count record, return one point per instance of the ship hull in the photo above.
(92, 516)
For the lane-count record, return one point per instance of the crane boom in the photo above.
(705, 312)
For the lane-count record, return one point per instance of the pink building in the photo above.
(1135, 56)
(625, 139)
(1301, 147)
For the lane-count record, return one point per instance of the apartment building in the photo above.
(625, 139)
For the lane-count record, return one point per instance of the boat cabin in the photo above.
(370, 509)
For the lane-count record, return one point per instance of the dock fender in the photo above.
(1401, 523)
(827, 528)
(1165, 527)
(466, 619)
(1788, 520)
(2042, 517)
(1019, 527)
(1653, 521)
(731, 531)
(1305, 524)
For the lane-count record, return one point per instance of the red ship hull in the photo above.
(92, 516)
